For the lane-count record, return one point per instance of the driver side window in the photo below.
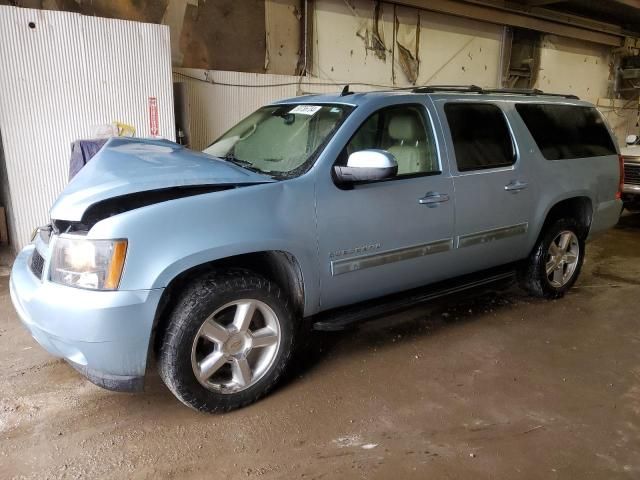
(403, 131)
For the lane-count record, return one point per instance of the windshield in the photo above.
(280, 140)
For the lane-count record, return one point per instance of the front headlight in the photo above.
(84, 263)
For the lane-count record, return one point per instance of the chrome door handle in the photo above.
(516, 186)
(432, 199)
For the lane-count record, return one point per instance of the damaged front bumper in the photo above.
(102, 334)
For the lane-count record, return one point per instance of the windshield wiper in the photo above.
(231, 158)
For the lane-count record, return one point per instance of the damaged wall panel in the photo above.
(352, 42)
(372, 32)
(456, 50)
(419, 46)
(521, 58)
(574, 66)
(284, 24)
(224, 35)
(174, 18)
(148, 11)
(406, 49)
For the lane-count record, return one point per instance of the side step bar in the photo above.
(345, 317)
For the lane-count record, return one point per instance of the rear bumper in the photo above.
(631, 189)
(104, 335)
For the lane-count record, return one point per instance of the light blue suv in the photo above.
(317, 211)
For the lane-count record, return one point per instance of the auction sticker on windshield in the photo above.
(306, 109)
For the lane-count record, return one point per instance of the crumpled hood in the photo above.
(131, 165)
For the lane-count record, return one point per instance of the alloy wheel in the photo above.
(562, 258)
(236, 346)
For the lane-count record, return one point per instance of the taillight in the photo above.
(621, 184)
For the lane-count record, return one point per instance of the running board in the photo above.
(346, 317)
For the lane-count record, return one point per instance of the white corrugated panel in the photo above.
(215, 108)
(58, 79)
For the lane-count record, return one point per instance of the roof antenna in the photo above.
(345, 91)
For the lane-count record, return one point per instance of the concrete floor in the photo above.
(496, 385)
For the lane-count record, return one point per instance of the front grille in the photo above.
(36, 264)
(632, 173)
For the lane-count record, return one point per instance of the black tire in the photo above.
(632, 206)
(203, 297)
(532, 276)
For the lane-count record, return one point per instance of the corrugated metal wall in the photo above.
(216, 108)
(61, 73)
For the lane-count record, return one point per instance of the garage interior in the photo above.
(482, 384)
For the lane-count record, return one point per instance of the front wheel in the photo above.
(555, 263)
(228, 341)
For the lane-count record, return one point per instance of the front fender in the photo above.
(169, 238)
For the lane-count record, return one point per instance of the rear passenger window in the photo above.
(481, 137)
(567, 131)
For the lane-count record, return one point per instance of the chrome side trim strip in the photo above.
(346, 265)
(491, 235)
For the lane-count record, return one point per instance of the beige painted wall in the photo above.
(339, 47)
(457, 50)
(574, 66)
(450, 49)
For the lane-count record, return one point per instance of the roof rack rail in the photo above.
(519, 91)
(479, 90)
(447, 88)
(528, 92)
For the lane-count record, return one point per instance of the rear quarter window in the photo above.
(563, 132)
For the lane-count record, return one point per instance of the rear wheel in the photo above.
(555, 263)
(632, 206)
(228, 342)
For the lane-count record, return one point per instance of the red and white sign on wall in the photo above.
(154, 123)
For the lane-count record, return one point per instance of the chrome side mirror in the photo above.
(367, 165)
(632, 139)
